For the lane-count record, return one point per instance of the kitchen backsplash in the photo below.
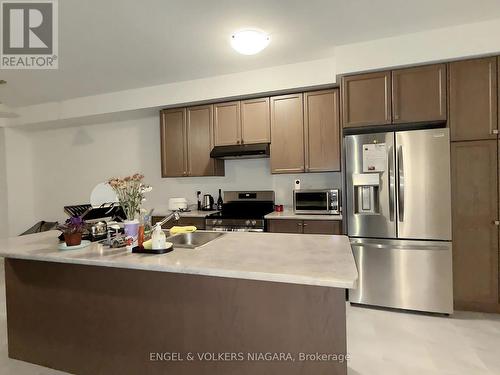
(251, 174)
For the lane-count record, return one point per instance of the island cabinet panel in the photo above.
(255, 121)
(173, 142)
(322, 227)
(94, 320)
(366, 99)
(227, 123)
(475, 235)
(287, 132)
(322, 131)
(473, 99)
(419, 94)
(304, 226)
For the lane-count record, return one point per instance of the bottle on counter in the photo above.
(198, 193)
(219, 201)
(158, 238)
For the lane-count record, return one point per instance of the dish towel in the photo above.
(186, 229)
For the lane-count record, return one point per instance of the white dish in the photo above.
(102, 194)
(63, 246)
(175, 204)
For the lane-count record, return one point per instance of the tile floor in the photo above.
(380, 342)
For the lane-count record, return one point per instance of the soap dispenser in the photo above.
(158, 238)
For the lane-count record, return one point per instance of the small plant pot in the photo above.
(73, 239)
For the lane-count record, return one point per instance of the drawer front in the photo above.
(322, 227)
(285, 226)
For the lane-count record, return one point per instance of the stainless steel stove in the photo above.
(242, 211)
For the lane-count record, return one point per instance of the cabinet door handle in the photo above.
(304, 224)
(299, 224)
(496, 222)
(494, 131)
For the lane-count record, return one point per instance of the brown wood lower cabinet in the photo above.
(198, 222)
(304, 226)
(475, 233)
(284, 226)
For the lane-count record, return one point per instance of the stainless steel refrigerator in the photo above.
(399, 218)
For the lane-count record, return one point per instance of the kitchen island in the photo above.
(245, 303)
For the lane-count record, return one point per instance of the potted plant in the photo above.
(130, 191)
(73, 229)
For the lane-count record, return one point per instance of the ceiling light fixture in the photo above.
(249, 42)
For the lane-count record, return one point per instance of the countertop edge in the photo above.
(287, 215)
(249, 275)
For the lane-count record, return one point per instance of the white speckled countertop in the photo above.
(322, 260)
(289, 214)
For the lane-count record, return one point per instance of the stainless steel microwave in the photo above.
(326, 202)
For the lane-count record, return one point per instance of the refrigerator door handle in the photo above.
(392, 186)
(401, 185)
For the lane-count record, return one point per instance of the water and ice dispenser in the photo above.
(366, 193)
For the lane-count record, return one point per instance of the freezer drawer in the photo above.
(411, 275)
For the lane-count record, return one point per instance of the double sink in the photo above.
(194, 239)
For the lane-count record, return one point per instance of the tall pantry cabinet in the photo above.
(473, 122)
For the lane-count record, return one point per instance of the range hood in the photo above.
(258, 150)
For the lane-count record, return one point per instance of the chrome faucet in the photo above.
(175, 215)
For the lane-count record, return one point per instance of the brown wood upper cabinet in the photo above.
(391, 97)
(287, 132)
(474, 176)
(227, 125)
(242, 122)
(173, 142)
(305, 130)
(366, 99)
(186, 142)
(322, 131)
(472, 88)
(255, 121)
(419, 94)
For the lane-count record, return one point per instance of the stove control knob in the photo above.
(247, 223)
(214, 222)
(254, 222)
(219, 222)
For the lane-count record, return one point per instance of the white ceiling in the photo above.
(111, 45)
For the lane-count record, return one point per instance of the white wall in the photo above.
(21, 183)
(70, 161)
(434, 45)
(289, 76)
(3, 186)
